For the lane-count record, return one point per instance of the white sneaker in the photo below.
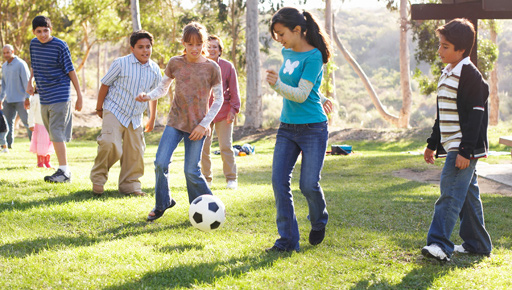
(5, 150)
(459, 249)
(434, 251)
(232, 184)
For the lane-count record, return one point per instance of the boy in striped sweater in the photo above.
(460, 135)
(53, 69)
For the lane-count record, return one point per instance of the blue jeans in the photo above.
(291, 140)
(196, 184)
(460, 198)
(10, 110)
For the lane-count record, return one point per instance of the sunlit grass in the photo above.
(61, 237)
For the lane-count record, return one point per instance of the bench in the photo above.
(506, 141)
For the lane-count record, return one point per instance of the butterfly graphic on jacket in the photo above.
(289, 66)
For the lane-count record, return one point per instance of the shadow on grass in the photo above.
(76, 196)
(423, 277)
(28, 247)
(193, 275)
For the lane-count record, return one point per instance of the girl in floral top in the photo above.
(189, 119)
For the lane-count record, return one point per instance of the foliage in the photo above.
(58, 236)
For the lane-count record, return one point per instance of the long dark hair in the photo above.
(291, 17)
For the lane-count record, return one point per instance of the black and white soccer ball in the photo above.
(207, 213)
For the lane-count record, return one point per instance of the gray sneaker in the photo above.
(58, 177)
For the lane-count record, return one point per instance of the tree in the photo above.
(366, 82)
(405, 69)
(330, 89)
(134, 5)
(253, 114)
(493, 80)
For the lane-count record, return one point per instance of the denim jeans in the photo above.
(10, 110)
(291, 140)
(460, 198)
(196, 184)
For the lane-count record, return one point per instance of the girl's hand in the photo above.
(198, 133)
(142, 97)
(31, 129)
(272, 77)
(327, 106)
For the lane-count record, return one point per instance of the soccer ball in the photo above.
(207, 213)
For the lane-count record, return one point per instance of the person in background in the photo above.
(40, 142)
(14, 100)
(223, 122)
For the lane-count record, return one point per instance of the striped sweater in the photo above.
(462, 114)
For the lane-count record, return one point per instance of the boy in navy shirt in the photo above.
(459, 134)
(52, 69)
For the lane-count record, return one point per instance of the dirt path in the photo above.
(433, 176)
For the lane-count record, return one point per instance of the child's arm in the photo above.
(76, 84)
(158, 92)
(101, 98)
(204, 127)
(30, 87)
(152, 116)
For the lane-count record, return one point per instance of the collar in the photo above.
(448, 70)
(133, 59)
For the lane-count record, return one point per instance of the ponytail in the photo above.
(314, 34)
(317, 37)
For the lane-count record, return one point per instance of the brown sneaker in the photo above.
(97, 189)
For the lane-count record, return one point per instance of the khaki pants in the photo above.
(119, 143)
(225, 134)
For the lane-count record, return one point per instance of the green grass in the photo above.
(61, 237)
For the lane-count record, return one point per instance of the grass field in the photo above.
(61, 237)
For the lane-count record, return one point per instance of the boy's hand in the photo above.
(461, 162)
(272, 77)
(142, 97)
(327, 106)
(78, 104)
(99, 113)
(27, 104)
(198, 133)
(429, 156)
(31, 128)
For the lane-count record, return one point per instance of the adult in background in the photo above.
(13, 97)
(223, 122)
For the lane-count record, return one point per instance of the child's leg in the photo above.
(472, 225)
(40, 161)
(454, 188)
(196, 183)
(285, 156)
(132, 160)
(168, 143)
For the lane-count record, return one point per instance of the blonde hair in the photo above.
(195, 31)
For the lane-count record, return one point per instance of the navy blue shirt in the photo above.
(51, 64)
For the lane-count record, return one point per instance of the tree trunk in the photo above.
(405, 84)
(369, 88)
(234, 33)
(494, 112)
(331, 91)
(134, 5)
(253, 114)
